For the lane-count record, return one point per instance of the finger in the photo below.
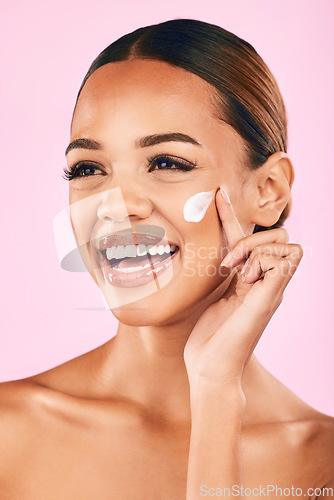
(244, 247)
(274, 249)
(230, 223)
(255, 265)
(277, 274)
(282, 268)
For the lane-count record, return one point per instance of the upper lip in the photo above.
(142, 235)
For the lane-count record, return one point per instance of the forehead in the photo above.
(126, 100)
(147, 88)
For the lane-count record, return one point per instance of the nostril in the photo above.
(108, 215)
(107, 218)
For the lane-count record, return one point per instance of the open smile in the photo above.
(133, 259)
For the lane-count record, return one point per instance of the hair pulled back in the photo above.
(247, 94)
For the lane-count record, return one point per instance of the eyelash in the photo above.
(180, 165)
(72, 171)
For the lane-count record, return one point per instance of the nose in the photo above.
(118, 204)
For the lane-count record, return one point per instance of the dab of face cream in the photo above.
(195, 207)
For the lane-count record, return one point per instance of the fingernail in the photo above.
(225, 195)
(243, 268)
(227, 259)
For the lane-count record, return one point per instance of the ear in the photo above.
(272, 183)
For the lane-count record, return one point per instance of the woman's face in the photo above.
(152, 141)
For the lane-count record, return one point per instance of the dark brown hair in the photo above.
(248, 96)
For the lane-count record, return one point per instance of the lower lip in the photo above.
(130, 279)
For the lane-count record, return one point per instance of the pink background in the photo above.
(49, 315)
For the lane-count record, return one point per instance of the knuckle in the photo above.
(247, 245)
(263, 247)
(301, 250)
(239, 249)
(283, 234)
(256, 252)
(268, 250)
(298, 251)
(272, 250)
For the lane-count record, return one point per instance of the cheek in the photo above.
(83, 214)
(197, 205)
(207, 237)
(83, 218)
(202, 231)
(196, 218)
(192, 210)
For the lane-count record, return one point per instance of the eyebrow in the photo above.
(143, 142)
(83, 144)
(151, 140)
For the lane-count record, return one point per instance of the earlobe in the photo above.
(274, 181)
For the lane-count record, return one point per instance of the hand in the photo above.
(228, 331)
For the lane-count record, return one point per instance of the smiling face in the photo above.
(146, 140)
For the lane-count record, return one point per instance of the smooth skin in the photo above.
(177, 400)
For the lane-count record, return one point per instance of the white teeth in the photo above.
(161, 249)
(141, 250)
(130, 251)
(152, 250)
(111, 253)
(120, 252)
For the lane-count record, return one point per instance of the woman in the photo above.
(179, 184)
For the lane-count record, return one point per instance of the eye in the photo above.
(82, 169)
(170, 163)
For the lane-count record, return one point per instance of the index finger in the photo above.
(231, 225)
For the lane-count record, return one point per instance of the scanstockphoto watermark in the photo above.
(264, 491)
(204, 261)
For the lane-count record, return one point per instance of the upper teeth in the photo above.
(119, 252)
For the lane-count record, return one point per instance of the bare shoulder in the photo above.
(25, 403)
(318, 436)
(20, 402)
(317, 447)
(58, 395)
(62, 387)
(16, 404)
(31, 409)
(310, 442)
(313, 436)
(294, 435)
(15, 396)
(322, 442)
(294, 440)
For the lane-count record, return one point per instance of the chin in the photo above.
(171, 305)
(143, 313)
(160, 298)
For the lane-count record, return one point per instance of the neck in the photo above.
(145, 365)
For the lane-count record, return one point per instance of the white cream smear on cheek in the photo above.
(196, 206)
